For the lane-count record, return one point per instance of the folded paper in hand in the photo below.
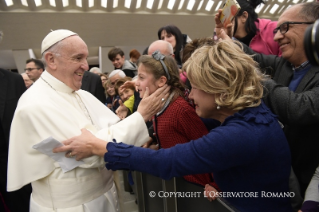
(47, 145)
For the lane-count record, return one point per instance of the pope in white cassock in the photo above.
(55, 106)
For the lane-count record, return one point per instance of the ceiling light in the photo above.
(24, 3)
(9, 3)
(104, 3)
(190, 4)
(181, 3)
(259, 7)
(79, 3)
(52, 3)
(160, 4)
(265, 10)
(149, 4)
(138, 4)
(171, 4)
(127, 4)
(209, 5)
(38, 3)
(274, 8)
(218, 5)
(200, 5)
(115, 3)
(91, 3)
(65, 3)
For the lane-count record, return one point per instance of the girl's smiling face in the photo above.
(146, 79)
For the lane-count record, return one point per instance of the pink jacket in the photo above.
(263, 42)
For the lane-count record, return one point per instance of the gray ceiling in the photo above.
(24, 27)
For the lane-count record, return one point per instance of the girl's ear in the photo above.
(161, 81)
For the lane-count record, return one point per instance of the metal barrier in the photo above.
(153, 195)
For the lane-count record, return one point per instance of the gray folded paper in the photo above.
(47, 145)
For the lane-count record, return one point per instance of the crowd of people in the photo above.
(235, 114)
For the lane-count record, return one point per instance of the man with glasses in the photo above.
(34, 69)
(293, 92)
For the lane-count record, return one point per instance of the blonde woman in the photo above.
(248, 153)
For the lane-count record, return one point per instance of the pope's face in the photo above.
(72, 62)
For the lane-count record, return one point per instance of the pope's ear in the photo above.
(50, 60)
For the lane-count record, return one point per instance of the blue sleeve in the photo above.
(221, 149)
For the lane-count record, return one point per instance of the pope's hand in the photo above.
(83, 146)
(152, 104)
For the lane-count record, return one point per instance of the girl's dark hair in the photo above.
(249, 6)
(180, 40)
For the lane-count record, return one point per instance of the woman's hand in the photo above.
(83, 146)
(126, 85)
(210, 192)
(121, 111)
(151, 104)
(222, 32)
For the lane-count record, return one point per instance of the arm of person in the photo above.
(194, 157)
(311, 202)
(121, 131)
(292, 108)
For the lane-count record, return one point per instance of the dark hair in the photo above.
(38, 63)
(309, 11)
(249, 7)
(180, 41)
(195, 44)
(120, 82)
(135, 54)
(114, 52)
(155, 67)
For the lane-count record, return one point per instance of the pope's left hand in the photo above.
(83, 146)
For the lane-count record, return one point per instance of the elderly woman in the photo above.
(248, 153)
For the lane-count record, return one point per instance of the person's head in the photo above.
(195, 44)
(128, 92)
(115, 75)
(116, 55)
(95, 70)
(245, 19)
(34, 69)
(65, 55)
(290, 36)
(173, 35)
(134, 55)
(26, 80)
(104, 78)
(152, 73)
(162, 46)
(109, 90)
(224, 77)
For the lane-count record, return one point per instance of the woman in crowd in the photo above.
(174, 36)
(110, 92)
(255, 32)
(248, 153)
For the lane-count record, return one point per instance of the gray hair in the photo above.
(55, 49)
(117, 71)
(96, 69)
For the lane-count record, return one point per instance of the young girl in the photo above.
(177, 122)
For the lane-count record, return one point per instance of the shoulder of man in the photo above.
(128, 66)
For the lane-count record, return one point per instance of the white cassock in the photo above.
(51, 108)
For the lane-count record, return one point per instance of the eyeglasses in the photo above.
(30, 69)
(284, 27)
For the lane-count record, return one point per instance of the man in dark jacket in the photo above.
(293, 93)
(92, 83)
(11, 88)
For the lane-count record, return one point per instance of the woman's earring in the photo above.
(218, 107)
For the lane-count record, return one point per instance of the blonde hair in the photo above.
(224, 69)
